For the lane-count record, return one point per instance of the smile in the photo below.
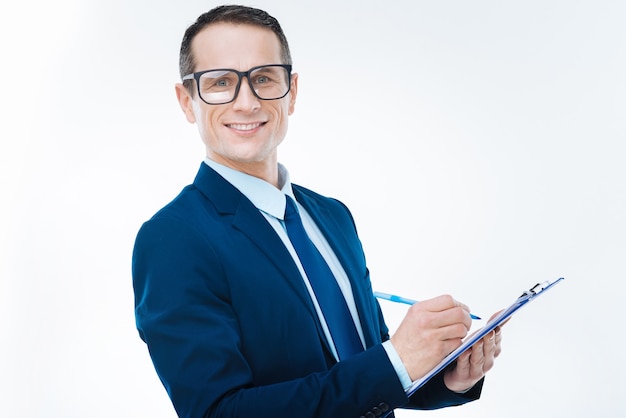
(245, 126)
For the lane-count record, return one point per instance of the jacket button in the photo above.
(370, 415)
(383, 407)
(377, 411)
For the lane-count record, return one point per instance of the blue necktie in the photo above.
(324, 284)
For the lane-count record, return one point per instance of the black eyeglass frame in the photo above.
(240, 74)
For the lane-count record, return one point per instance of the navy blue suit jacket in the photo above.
(230, 326)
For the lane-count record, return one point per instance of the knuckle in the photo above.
(417, 309)
(460, 330)
(460, 314)
(448, 300)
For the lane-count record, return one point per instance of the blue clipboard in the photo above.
(526, 297)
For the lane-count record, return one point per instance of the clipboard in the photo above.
(526, 297)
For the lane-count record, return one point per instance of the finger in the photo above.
(495, 315)
(455, 311)
(477, 356)
(477, 361)
(489, 351)
(456, 331)
(451, 317)
(443, 303)
(463, 363)
(489, 341)
(498, 341)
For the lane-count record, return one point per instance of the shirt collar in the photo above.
(263, 195)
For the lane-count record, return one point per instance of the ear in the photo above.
(293, 93)
(185, 100)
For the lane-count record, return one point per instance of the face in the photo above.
(245, 133)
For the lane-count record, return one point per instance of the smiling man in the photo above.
(241, 123)
(252, 293)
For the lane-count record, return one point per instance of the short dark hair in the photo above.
(228, 14)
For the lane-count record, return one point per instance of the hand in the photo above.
(472, 365)
(431, 330)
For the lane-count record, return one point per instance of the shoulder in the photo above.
(186, 203)
(188, 220)
(321, 207)
(314, 199)
(210, 195)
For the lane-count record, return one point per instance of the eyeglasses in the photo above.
(221, 86)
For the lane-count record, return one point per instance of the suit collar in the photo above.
(263, 195)
(214, 187)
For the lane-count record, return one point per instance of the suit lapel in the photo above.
(251, 223)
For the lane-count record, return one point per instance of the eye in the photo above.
(222, 83)
(218, 80)
(262, 79)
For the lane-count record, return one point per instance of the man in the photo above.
(226, 296)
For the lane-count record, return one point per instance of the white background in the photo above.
(479, 144)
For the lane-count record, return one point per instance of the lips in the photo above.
(245, 126)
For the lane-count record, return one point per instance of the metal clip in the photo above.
(535, 289)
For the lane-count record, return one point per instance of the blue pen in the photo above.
(400, 299)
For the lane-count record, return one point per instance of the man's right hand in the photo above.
(430, 331)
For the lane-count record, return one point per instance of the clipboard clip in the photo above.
(538, 288)
(535, 289)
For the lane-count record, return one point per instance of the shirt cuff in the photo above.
(397, 364)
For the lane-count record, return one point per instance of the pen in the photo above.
(400, 299)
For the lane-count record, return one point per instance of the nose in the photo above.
(246, 100)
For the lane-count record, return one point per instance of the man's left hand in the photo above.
(472, 365)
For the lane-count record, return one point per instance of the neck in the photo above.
(264, 170)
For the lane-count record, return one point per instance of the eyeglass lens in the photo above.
(220, 86)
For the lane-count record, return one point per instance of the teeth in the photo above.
(244, 126)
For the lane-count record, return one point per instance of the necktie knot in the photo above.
(291, 210)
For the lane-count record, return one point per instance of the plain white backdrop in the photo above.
(480, 146)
